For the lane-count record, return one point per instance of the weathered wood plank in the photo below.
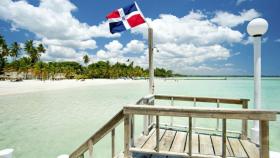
(195, 144)
(126, 135)
(246, 114)
(201, 99)
(229, 149)
(179, 142)
(206, 147)
(251, 149)
(264, 139)
(217, 145)
(237, 148)
(166, 141)
(143, 138)
(151, 143)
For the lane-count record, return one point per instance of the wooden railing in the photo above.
(243, 103)
(263, 116)
(108, 127)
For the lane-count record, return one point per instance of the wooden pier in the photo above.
(185, 141)
(175, 142)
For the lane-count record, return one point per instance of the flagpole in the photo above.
(151, 53)
(151, 61)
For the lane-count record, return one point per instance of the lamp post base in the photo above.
(255, 135)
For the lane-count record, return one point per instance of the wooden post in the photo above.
(224, 138)
(264, 139)
(190, 136)
(151, 61)
(157, 133)
(132, 126)
(171, 118)
(126, 136)
(90, 148)
(194, 105)
(146, 119)
(244, 132)
(113, 142)
(218, 123)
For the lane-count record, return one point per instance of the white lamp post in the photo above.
(256, 28)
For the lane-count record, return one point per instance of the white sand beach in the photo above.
(26, 86)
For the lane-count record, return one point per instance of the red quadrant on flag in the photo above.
(114, 14)
(135, 20)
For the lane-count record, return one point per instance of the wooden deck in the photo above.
(175, 144)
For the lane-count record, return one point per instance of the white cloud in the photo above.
(192, 28)
(135, 47)
(277, 40)
(231, 20)
(53, 22)
(186, 43)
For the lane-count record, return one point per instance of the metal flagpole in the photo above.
(151, 61)
(151, 53)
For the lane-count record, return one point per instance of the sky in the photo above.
(193, 37)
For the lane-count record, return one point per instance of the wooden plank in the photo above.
(166, 141)
(179, 142)
(201, 99)
(237, 148)
(151, 143)
(229, 149)
(126, 136)
(172, 154)
(157, 133)
(205, 143)
(217, 145)
(251, 149)
(244, 133)
(99, 134)
(224, 138)
(143, 138)
(247, 114)
(195, 144)
(113, 143)
(264, 139)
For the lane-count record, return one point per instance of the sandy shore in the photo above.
(9, 88)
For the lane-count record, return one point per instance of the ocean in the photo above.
(49, 123)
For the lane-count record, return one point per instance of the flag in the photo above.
(125, 18)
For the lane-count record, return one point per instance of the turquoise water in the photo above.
(47, 124)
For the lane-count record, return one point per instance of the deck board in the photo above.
(174, 142)
(237, 148)
(142, 140)
(151, 143)
(167, 140)
(206, 147)
(178, 144)
(250, 148)
(195, 144)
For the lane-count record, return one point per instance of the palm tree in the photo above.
(30, 50)
(40, 49)
(86, 59)
(14, 50)
(4, 51)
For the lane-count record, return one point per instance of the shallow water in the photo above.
(47, 124)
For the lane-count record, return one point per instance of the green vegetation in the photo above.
(29, 65)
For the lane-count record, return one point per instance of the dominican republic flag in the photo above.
(125, 18)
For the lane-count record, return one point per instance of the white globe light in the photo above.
(257, 27)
